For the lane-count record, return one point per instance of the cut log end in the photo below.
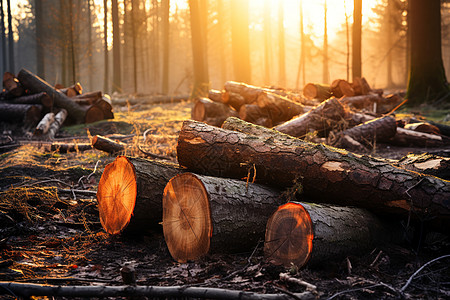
(116, 195)
(187, 222)
(289, 236)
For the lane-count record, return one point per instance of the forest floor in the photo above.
(50, 231)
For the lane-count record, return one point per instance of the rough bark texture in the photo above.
(405, 137)
(208, 214)
(301, 233)
(44, 125)
(280, 108)
(37, 85)
(39, 98)
(427, 164)
(321, 118)
(249, 92)
(60, 117)
(317, 91)
(325, 173)
(26, 113)
(149, 177)
(105, 144)
(361, 101)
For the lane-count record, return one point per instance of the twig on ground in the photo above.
(152, 155)
(307, 285)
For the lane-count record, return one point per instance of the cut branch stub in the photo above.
(116, 195)
(289, 235)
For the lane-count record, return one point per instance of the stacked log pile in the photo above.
(32, 102)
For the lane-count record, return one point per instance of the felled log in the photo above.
(377, 130)
(20, 113)
(12, 84)
(39, 98)
(73, 90)
(93, 113)
(427, 164)
(362, 101)
(205, 109)
(105, 105)
(279, 108)
(317, 91)
(70, 147)
(361, 86)
(326, 173)
(88, 98)
(443, 129)
(215, 95)
(423, 127)
(37, 85)
(204, 214)
(301, 233)
(235, 100)
(406, 137)
(99, 101)
(254, 114)
(130, 193)
(60, 118)
(340, 88)
(248, 92)
(151, 99)
(321, 118)
(44, 125)
(108, 145)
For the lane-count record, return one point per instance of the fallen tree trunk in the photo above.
(406, 137)
(72, 91)
(249, 92)
(321, 118)
(39, 98)
(326, 173)
(20, 113)
(341, 88)
(27, 290)
(88, 98)
(300, 233)
(362, 101)
(317, 91)
(108, 145)
(215, 95)
(254, 114)
(235, 100)
(70, 147)
(44, 125)
(130, 193)
(361, 86)
(12, 84)
(279, 108)
(60, 117)
(427, 164)
(203, 214)
(37, 85)
(207, 110)
(93, 113)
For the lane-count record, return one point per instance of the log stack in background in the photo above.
(30, 101)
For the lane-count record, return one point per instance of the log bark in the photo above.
(427, 164)
(280, 108)
(60, 118)
(108, 145)
(341, 88)
(206, 109)
(70, 147)
(88, 98)
(39, 98)
(317, 91)
(215, 95)
(254, 114)
(423, 127)
(405, 137)
(235, 100)
(203, 214)
(44, 125)
(361, 86)
(12, 84)
(301, 233)
(377, 130)
(321, 119)
(93, 113)
(324, 173)
(130, 193)
(362, 101)
(249, 92)
(20, 113)
(72, 90)
(37, 85)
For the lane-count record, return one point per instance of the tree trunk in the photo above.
(3, 37)
(205, 109)
(317, 91)
(70, 147)
(325, 69)
(240, 41)
(341, 88)
(44, 125)
(254, 114)
(60, 117)
(36, 85)
(204, 214)
(427, 164)
(215, 95)
(105, 144)
(281, 46)
(361, 86)
(267, 32)
(324, 173)
(280, 108)
(321, 118)
(166, 50)
(356, 38)
(39, 98)
(405, 137)
(427, 79)
(117, 81)
(234, 100)
(300, 233)
(105, 47)
(10, 39)
(361, 101)
(20, 113)
(12, 85)
(130, 193)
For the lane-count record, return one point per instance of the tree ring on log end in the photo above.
(116, 195)
(187, 222)
(289, 235)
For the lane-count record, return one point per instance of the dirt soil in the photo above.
(50, 231)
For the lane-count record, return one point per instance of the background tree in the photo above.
(240, 40)
(281, 46)
(117, 82)
(105, 47)
(39, 23)
(325, 70)
(166, 50)
(356, 38)
(3, 37)
(427, 79)
(10, 39)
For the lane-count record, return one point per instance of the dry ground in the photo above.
(50, 231)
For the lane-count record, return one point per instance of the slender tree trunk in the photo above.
(301, 65)
(221, 37)
(3, 37)
(63, 45)
(89, 49)
(166, 49)
(133, 39)
(281, 45)
(347, 30)
(427, 79)
(356, 38)
(117, 82)
(40, 58)
(389, 29)
(267, 42)
(201, 80)
(325, 71)
(10, 39)
(72, 43)
(105, 47)
(240, 40)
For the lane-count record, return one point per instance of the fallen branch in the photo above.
(28, 290)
